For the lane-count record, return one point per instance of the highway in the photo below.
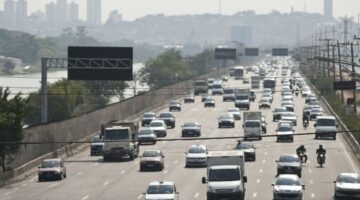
(88, 177)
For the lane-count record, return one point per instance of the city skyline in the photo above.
(131, 10)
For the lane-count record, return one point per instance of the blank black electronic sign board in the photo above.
(225, 53)
(251, 52)
(100, 63)
(280, 52)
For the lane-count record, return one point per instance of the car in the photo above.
(235, 112)
(314, 112)
(229, 94)
(246, 80)
(226, 120)
(204, 97)
(147, 118)
(289, 116)
(285, 132)
(287, 98)
(191, 129)
(51, 169)
(159, 128)
(161, 190)
(248, 148)
(196, 156)
(289, 105)
(305, 92)
(175, 105)
(288, 186)
(210, 82)
(209, 102)
(146, 135)
(168, 118)
(217, 89)
(97, 146)
(153, 159)
(277, 112)
(310, 97)
(264, 103)
(225, 78)
(189, 99)
(252, 95)
(289, 164)
(268, 95)
(347, 186)
(307, 109)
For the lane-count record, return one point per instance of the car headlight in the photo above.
(57, 172)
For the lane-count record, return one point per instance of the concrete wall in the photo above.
(81, 127)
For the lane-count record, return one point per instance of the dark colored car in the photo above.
(96, 146)
(278, 112)
(168, 118)
(189, 99)
(209, 102)
(147, 118)
(228, 94)
(153, 159)
(248, 148)
(190, 129)
(175, 105)
(289, 164)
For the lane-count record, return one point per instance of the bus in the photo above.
(238, 72)
(270, 83)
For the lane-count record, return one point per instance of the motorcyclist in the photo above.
(321, 150)
(305, 119)
(302, 150)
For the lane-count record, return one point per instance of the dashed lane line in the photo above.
(258, 181)
(165, 171)
(255, 195)
(85, 197)
(96, 164)
(263, 161)
(261, 171)
(176, 161)
(313, 195)
(122, 172)
(107, 182)
(53, 185)
(140, 196)
(79, 173)
(311, 182)
(196, 195)
(310, 171)
(266, 153)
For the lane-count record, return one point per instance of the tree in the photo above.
(12, 113)
(168, 68)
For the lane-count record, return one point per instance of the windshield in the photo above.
(287, 181)
(148, 115)
(197, 150)
(244, 146)
(284, 128)
(269, 83)
(160, 189)
(116, 134)
(50, 164)
(97, 139)
(217, 86)
(289, 159)
(325, 122)
(228, 91)
(189, 124)
(279, 110)
(165, 115)
(200, 83)
(145, 132)
(233, 110)
(349, 179)
(242, 97)
(252, 124)
(151, 154)
(224, 175)
(156, 124)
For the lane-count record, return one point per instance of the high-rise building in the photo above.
(94, 12)
(9, 13)
(241, 34)
(328, 8)
(73, 11)
(50, 13)
(61, 11)
(21, 13)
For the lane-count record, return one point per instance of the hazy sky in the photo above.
(132, 9)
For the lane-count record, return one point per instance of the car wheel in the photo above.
(39, 179)
(316, 136)
(65, 175)
(233, 125)
(334, 138)
(299, 175)
(141, 168)
(60, 176)
(254, 158)
(131, 157)
(219, 126)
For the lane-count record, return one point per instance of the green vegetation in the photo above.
(12, 113)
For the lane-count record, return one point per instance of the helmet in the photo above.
(320, 146)
(302, 146)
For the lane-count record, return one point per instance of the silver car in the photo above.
(51, 169)
(347, 186)
(288, 186)
(146, 135)
(235, 112)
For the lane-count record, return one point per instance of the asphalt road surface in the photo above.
(88, 177)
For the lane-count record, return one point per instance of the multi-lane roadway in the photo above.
(88, 177)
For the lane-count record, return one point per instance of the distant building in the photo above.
(73, 11)
(2, 21)
(328, 8)
(21, 13)
(94, 12)
(114, 17)
(241, 34)
(10, 13)
(50, 13)
(61, 11)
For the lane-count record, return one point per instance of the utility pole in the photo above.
(353, 76)
(340, 71)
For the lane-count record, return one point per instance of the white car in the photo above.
(347, 186)
(235, 112)
(159, 127)
(196, 156)
(288, 186)
(161, 190)
(284, 132)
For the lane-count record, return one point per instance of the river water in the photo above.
(31, 82)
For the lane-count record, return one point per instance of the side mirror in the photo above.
(245, 179)
(303, 186)
(337, 126)
(39, 166)
(276, 161)
(334, 181)
(272, 184)
(314, 125)
(243, 125)
(143, 193)
(203, 180)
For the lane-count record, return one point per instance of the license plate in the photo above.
(150, 165)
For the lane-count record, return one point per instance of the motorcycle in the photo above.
(296, 92)
(321, 159)
(302, 156)
(305, 123)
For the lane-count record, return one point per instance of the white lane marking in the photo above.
(194, 109)
(165, 171)
(204, 135)
(353, 166)
(232, 140)
(136, 162)
(5, 198)
(263, 161)
(228, 146)
(310, 170)
(309, 161)
(140, 196)
(196, 195)
(23, 185)
(261, 171)
(33, 179)
(266, 153)
(311, 182)
(16, 188)
(122, 172)
(258, 181)
(176, 161)
(53, 185)
(254, 195)
(107, 182)
(78, 174)
(313, 195)
(85, 197)
(267, 146)
(96, 164)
